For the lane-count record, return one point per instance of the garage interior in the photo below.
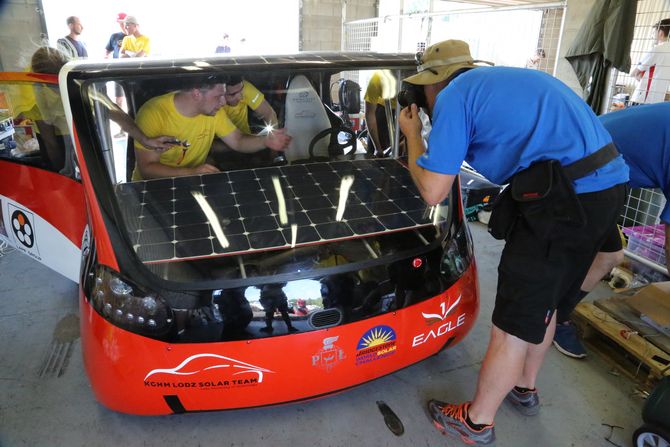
(46, 399)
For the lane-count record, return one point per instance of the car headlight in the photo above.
(129, 307)
(457, 254)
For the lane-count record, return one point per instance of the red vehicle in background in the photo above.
(322, 268)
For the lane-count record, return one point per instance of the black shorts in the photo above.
(118, 90)
(382, 131)
(612, 242)
(534, 275)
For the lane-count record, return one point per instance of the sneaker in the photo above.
(527, 403)
(450, 418)
(567, 341)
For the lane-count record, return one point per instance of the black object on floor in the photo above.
(392, 421)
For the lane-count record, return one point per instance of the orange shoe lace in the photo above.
(459, 412)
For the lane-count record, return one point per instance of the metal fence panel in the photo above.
(640, 219)
(538, 33)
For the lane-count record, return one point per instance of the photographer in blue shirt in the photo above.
(509, 124)
(642, 135)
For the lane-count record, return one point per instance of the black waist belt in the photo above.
(598, 159)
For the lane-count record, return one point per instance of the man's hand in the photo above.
(409, 122)
(206, 169)
(278, 140)
(159, 144)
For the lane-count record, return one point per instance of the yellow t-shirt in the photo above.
(23, 100)
(382, 85)
(239, 114)
(136, 44)
(47, 97)
(158, 116)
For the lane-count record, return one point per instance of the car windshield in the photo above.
(339, 195)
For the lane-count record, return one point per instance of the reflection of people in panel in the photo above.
(653, 71)
(300, 308)
(380, 88)
(50, 116)
(52, 125)
(273, 298)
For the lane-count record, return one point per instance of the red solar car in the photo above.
(283, 277)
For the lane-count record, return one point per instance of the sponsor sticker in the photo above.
(22, 225)
(376, 344)
(328, 356)
(207, 371)
(441, 322)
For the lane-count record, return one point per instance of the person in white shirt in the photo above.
(653, 71)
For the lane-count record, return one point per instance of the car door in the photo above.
(42, 205)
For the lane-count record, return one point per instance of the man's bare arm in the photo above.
(159, 143)
(432, 186)
(266, 113)
(148, 162)
(276, 140)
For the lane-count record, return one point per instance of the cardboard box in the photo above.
(653, 304)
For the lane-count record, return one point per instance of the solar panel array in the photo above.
(166, 223)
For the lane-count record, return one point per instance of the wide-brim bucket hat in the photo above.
(442, 60)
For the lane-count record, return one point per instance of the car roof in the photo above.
(87, 69)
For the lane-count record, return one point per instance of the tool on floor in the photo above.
(392, 421)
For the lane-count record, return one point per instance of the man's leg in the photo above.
(119, 96)
(602, 265)
(524, 396)
(566, 339)
(502, 367)
(535, 358)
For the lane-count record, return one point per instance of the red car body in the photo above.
(159, 334)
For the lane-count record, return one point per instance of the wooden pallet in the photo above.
(620, 345)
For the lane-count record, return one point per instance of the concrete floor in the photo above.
(40, 408)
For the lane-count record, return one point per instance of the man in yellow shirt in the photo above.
(241, 96)
(194, 115)
(382, 87)
(135, 44)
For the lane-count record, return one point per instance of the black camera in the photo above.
(412, 94)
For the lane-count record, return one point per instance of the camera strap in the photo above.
(598, 159)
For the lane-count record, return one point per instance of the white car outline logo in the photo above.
(178, 370)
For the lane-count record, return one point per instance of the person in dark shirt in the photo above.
(114, 43)
(642, 135)
(113, 47)
(70, 44)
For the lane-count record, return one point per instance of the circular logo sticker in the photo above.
(22, 229)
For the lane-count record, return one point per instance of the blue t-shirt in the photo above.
(81, 48)
(501, 120)
(114, 44)
(642, 135)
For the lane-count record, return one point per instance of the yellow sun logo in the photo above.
(376, 336)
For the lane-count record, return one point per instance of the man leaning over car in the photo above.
(508, 124)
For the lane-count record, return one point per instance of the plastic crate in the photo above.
(647, 241)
